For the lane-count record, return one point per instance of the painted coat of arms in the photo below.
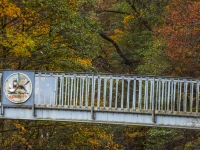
(18, 88)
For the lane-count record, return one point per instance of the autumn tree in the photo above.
(47, 35)
(180, 33)
(130, 33)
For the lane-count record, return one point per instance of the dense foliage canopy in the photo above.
(157, 37)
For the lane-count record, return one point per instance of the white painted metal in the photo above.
(120, 94)
(100, 116)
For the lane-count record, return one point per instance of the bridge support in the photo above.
(106, 117)
(92, 113)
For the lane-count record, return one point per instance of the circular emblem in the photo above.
(18, 88)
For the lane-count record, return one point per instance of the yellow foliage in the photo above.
(113, 37)
(19, 126)
(127, 18)
(118, 31)
(19, 44)
(167, 7)
(84, 62)
(41, 29)
(9, 9)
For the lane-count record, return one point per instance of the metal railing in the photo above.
(118, 92)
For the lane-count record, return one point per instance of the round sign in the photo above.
(18, 88)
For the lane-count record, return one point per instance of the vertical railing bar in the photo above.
(77, 90)
(163, 89)
(116, 94)
(185, 95)
(86, 90)
(62, 92)
(197, 96)
(191, 95)
(80, 89)
(174, 99)
(74, 93)
(134, 92)
(89, 91)
(140, 94)
(178, 96)
(68, 91)
(168, 96)
(122, 96)
(71, 91)
(146, 94)
(104, 93)
(83, 88)
(159, 92)
(128, 93)
(110, 94)
(39, 87)
(93, 90)
(57, 85)
(95, 78)
(166, 85)
(156, 97)
(99, 90)
(152, 94)
(171, 93)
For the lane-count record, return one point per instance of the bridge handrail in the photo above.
(112, 91)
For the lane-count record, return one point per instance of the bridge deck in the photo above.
(123, 99)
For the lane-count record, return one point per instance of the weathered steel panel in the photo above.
(102, 117)
(45, 89)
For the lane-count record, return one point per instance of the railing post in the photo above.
(172, 94)
(122, 94)
(179, 95)
(140, 94)
(92, 100)
(86, 90)
(134, 93)
(191, 95)
(110, 94)
(128, 93)
(146, 93)
(185, 96)
(116, 94)
(197, 97)
(159, 93)
(99, 90)
(153, 101)
(174, 98)
(104, 92)
(74, 101)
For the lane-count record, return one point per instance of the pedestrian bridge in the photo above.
(111, 99)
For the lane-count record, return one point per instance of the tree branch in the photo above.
(127, 61)
(144, 22)
(114, 11)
